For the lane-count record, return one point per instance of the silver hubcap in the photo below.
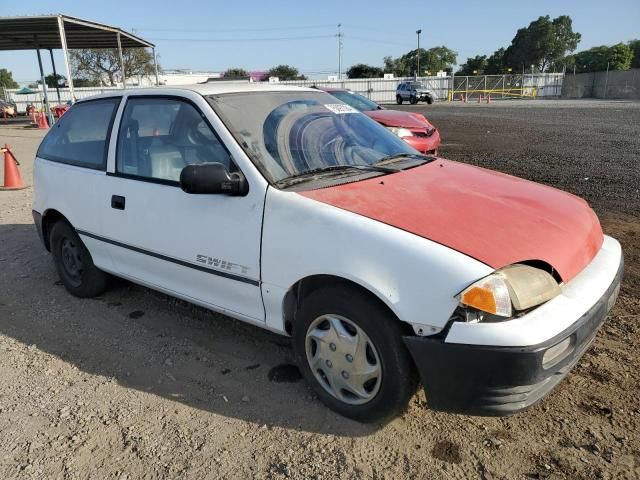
(343, 359)
(71, 261)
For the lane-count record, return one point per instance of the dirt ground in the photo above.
(135, 384)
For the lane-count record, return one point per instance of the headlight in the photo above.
(401, 132)
(516, 287)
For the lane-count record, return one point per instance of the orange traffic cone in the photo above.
(12, 177)
(42, 120)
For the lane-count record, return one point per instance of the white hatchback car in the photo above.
(284, 208)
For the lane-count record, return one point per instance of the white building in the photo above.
(173, 77)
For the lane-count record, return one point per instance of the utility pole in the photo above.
(339, 51)
(418, 32)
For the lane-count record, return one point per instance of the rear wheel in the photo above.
(350, 350)
(399, 99)
(74, 264)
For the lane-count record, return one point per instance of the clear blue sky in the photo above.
(372, 28)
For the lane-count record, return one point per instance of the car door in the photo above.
(406, 91)
(204, 248)
(411, 91)
(70, 168)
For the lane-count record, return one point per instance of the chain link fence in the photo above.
(381, 90)
(37, 98)
(613, 84)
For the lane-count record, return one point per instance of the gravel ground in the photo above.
(587, 147)
(135, 384)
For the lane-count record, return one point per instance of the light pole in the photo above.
(339, 51)
(418, 32)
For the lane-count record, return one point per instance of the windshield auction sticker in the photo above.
(340, 108)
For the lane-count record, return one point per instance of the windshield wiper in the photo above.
(309, 174)
(402, 156)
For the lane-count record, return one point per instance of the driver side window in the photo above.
(81, 137)
(160, 136)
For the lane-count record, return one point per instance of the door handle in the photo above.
(117, 202)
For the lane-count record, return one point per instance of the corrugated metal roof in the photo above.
(29, 33)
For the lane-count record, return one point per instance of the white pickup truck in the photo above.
(282, 207)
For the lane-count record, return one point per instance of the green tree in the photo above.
(6, 79)
(235, 73)
(362, 70)
(432, 60)
(436, 59)
(634, 45)
(103, 64)
(389, 65)
(285, 72)
(54, 80)
(495, 63)
(542, 44)
(473, 66)
(618, 57)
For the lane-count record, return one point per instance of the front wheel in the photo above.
(398, 99)
(350, 350)
(74, 264)
(429, 100)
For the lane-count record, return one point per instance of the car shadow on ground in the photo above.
(153, 343)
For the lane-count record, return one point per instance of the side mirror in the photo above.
(212, 178)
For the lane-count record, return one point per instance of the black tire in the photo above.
(413, 100)
(399, 99)
(398, 378)
(429, 100)
(73, 261)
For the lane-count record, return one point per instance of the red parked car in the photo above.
(412, 127)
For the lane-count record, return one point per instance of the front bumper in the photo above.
(498, 380)
(424, 144)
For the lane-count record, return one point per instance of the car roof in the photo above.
(333, 89)
(205, 89)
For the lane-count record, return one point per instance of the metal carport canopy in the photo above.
(29, 33)
(63, 32)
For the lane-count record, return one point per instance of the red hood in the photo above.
(495, 218)
(397, 118)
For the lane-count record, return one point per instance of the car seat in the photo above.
(166, 162)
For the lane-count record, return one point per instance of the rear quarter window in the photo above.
(81, 136)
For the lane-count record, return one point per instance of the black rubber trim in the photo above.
(495, 381)
(182, 263)
(37, 220)
(139, 178)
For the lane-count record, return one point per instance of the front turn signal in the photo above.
(490, 295)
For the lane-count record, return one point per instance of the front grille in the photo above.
(425, 133)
